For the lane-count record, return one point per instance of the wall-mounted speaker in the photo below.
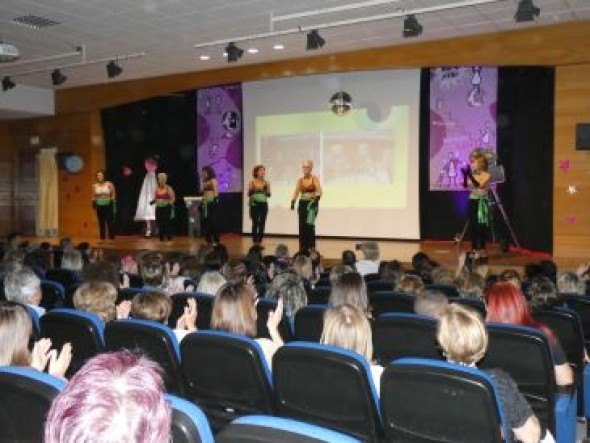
(583, 136)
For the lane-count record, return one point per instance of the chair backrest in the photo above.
(471, 302)
(155, 340)
(204, 308)
(25, 398)
(448, 290)
(189, 423)
(263, 307)
(69, 295)
(309, 322)
(371, 277)
(323, 281)
(525, 355)
(379, 285)
(52, 294)
(383, 302)
(426, 401)
(319, 295)
(405, 335)
(130, 292)
(35, 320)
(227, 375)
(328, 386)
(267, 429)
(84, 330)
(581, 305)
(65, 277)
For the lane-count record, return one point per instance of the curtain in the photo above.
(47, 209)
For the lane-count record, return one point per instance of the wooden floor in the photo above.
(446, 253)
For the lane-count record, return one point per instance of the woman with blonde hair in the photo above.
(164, 198)
(410, 284)
(99, 298)
(347, 327)
(463, 337)
(104, 201)
(350, 290)
(309, 191)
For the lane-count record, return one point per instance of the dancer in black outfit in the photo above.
(309, 191)
(258, 193)
(209, 205)
(105, 203)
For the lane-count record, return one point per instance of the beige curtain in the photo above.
(47, 209)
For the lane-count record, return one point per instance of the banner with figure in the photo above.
(219, 134)
(463, 102)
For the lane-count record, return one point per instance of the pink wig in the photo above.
(115, 397)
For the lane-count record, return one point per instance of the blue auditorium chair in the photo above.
(263, 307)
(309, 322)
(53, 294)
(385, 302)
(471, 302)
(204, 308)
(448, 290)
(189, 424)
(319, 295)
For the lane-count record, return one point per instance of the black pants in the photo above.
(164, 222)
(306, 230)
(479, 231)
(258, 213)
(208, 225)
(106, 220)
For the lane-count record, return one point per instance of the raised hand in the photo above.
(58, 365)
(40, 354)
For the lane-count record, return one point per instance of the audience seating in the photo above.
(35, 321)
(524, 354)
(263, 307)
(155, 340)
(129, 293)
(379, 285)
(319, 295)
(383, 302)
(69, 295)
(471, 302)
(65, 277)
(426, 401)
(371, 277)
(448, 290)
(189, 424)
(84, 330)
(25, 398)
(405, 335)
(309, 322)
(53, 294)
(204, 308)
(135, 280)
(323, 282)
(267, 429)
(227, 375)
(328, 386)
(581, 305)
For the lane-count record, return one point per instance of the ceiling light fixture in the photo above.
(411, 27)
(252, 51)
(204, 57)
(526, 11)
(278, 47)
(113, 69)
(57, 78)
(314, 40)
(233, 52)
(7, 84)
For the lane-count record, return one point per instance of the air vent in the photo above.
(34, 21)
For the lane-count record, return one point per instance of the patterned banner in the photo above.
(219, 134)
(462, 117)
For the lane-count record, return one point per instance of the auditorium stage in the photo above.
(444, 252)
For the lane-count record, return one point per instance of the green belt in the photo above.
(103, 201)
(205, 205)
(163, 204)
(258, 197)
(483, 212)
(312, 211)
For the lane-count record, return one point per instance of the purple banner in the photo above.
(219, 134)
(462, 117)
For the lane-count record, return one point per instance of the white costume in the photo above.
(146, 212)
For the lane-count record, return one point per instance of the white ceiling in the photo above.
(166, 31)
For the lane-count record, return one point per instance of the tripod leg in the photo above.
(461, 235)
(505, 216)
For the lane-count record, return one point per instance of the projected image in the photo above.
(283, 155)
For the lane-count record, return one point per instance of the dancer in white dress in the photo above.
(146, 212)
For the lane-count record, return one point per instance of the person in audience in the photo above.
(234, 311)
(72, 260)
(542, 294)
(164, 199)
(423, 266)
(157, 307)
(282, 255)
(115, 397)
(210, 282)
(549, 269)
(13, 242)
(101, 270)
(349, 258)
(12, 261)
(570, 283)
(370, 263)
(157, 276)
(190, 268)
(464, 340)
(506, 304)
(391, 271)
(23, 286)
(347, 327)
(16, 329)
(258, 194)
(104, 201)
(410, 284)
(351, 290)
(289, 288)
(235, 271)
(303, 268)
(99, 298)
(338, 271)
(309, 191)
(470, 284)
(511, 276)
(432, 303)
(209, 204)
(441, 276)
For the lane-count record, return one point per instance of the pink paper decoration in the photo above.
(572, 219)
(564, 165)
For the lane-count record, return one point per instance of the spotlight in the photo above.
(411, 27)
(526, 11)
(233, 52)
(113, 69)
(7, 84)
(314, 40)
(57, 78)
(341, 103)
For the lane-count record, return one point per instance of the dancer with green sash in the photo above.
(477, 178)
(209, 205)
(105, 204)
(164, 200)
(309, 191)
(258, 194)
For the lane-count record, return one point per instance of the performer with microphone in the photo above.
(309, 191)
(477, 178)
(105, 204)
(258, 194)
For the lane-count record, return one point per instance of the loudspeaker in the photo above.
(583, 136)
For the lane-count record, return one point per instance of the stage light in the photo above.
(57, 78)
(233, 52)
(341, 103)
(113, 69)
(526, 11)
(411, 27)
(314, 40)
(7, 84)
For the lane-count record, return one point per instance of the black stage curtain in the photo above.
(525, 149)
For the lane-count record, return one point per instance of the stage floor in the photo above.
(446, 253)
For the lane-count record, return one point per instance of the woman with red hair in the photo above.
(506, 304)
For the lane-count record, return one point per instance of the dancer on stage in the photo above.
(309, 191)
(145, 210)
(105, 203)
(258, 194)
(164, 200)
(209, 205)
(477, 178)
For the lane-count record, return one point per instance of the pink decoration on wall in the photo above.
(572, 219)
(564, 165)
